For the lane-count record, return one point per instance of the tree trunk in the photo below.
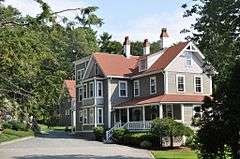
(160, 142)
(171, 141)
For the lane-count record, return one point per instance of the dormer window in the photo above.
(142, 65)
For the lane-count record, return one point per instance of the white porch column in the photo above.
(160, 111)
(143, 113)
(182, 112)
(114, 117)
(127, 114)
(95, 119)
(120, 115)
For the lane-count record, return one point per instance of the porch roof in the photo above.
(163, 99)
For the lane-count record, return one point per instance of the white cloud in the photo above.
(150, 26)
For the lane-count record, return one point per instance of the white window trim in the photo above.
(101, 88)
(84, 91)
(79, 93)
(140, 63)
(136, 81)
(78, 74)
(91, 116)
(89, 89)
(194, 81)
(155, 82)
(119, 89)
(98, 115)
(184, 82)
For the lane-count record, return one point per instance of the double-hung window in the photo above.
(99, 89)
(80, 74)
(91, 115)
(100, 115)
(123, 89)
(81, 116)
(91, 89)
(180, 83)
(198, 84)
(136, 88)
(80, 94)
(85, 91)
(85, 114)
(153, 88)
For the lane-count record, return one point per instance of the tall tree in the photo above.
(37, 55)
(217, 35)
(107, 45)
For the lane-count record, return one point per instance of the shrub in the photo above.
(118, 134)
(99, 133)
(146, 144)
(17, 133)
(7, 125)
(15, 125)
(135, 139)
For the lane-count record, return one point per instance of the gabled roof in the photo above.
(116, 65)
(163, 98)
(167, 57)
(119, 65)
(71, 87)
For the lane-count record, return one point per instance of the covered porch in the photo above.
(138, 118)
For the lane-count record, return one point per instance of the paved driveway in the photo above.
(59, 145)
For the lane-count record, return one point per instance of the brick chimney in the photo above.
(126, 47)
(146, 47)
(164, 39)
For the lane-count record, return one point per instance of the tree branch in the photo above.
(66, 10)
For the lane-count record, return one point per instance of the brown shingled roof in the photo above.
(71, 87)
(162, 98)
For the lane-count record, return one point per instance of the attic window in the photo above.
(142, 65)
(188, 58)
(96, 69)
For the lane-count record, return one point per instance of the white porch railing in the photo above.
(131, 126)
(138, 125)
(109, 133)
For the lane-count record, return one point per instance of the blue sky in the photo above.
(138, 19)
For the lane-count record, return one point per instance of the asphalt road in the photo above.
(60, 145)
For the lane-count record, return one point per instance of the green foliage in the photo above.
(99, 133)
(135, 139)
(9, 134)
(15, 125)
(18, 133)
(109, 46)
(217, 35)
(146, 144)
(167, 127)
(37, 54)
(118, 134)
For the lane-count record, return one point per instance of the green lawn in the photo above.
(174, 154)
(8, 135)
(46, 129)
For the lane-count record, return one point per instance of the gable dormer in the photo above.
(93, 70)
(190, 59)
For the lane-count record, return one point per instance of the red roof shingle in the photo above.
(119, 65)
(163, 98)
(116, 65)
(71, 87)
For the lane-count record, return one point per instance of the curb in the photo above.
(16, 140)
(152, 157)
